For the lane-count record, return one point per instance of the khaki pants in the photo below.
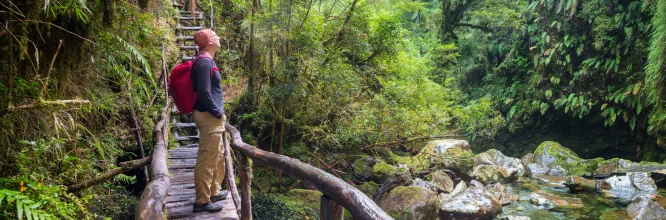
(209, 169)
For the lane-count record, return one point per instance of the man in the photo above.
(209, 117)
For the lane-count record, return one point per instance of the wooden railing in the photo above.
(151, 202)
(335, 191)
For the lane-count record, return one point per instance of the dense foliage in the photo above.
(322, 81)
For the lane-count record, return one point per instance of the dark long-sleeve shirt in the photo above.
(207, 87)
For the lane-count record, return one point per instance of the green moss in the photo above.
(459, 159)
(277, 206)
(310, 198)
(567, 159)
(369, 188)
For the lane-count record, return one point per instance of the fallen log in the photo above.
(124, 167)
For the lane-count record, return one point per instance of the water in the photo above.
(595, 205)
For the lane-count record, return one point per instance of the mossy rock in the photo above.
(410, 202)
(448, 153)
(364, 166)
(369, 188)
(383, 171)
(551, 154)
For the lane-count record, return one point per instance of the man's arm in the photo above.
(203, 70)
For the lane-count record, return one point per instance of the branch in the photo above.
(475, 26)
(124, 167)
(41, 103)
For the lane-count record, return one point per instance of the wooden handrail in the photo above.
(352, 199)
(151, 202)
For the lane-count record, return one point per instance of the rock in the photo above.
(612, 165)
(534, 169)
(448, 153)
(494, 157)
(550, 154)
(369, 188)
(474, 203)
(382, 171)
(513, 217)
(445, 197)
(647, 206)
(442, 181)
(625, 188)
(546, 200)
(557, 171)
(577, 184)
(425, 184)
(475, 183)
(554, 181)
(499, 192)
(363, 166)
(410, 202)
(493, 174)
(520, 208)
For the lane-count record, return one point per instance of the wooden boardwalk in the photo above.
(180, 195)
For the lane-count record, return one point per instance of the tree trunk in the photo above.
(124, 167)
(330, 210)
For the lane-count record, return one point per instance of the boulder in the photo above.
(425, 184)
(383, 171)
(493, 174)
(612, 165)
(410, 202)
(545, 200)
(442, 181)
(363, 167)
(494, 157)
(647, 206)
(474, 203)
(534, 169)
(499, 191)
(448, 153)
(577, 184)
(624, 189)
(445, 197)
(369, 188)
(551, 154)
(553, 181)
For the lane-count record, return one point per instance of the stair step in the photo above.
(183, 47)
(185, 138)
(200, 17)
(189, 12)
(181, 37)
(186, 57)
(189, 28)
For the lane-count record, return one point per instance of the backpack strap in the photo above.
(201, 56)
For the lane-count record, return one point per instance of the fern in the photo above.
(655, 70)
(136, 55)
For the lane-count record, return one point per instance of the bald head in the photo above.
(203, 37)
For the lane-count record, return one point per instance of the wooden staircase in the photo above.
(180, 195)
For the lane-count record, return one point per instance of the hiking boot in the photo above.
(207, 207)
(222, 195)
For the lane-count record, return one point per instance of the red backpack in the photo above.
(181, 87)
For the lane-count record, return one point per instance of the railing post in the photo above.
(230, 173)
(246, 182)
(330, 210)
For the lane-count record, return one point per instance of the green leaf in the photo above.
(568, 58)
(549, 93)
(637, 87)
(19, 209)
(512, 111)
(579, 50)
(28, 212)
(604, 106)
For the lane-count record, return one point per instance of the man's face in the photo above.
(214, 40)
